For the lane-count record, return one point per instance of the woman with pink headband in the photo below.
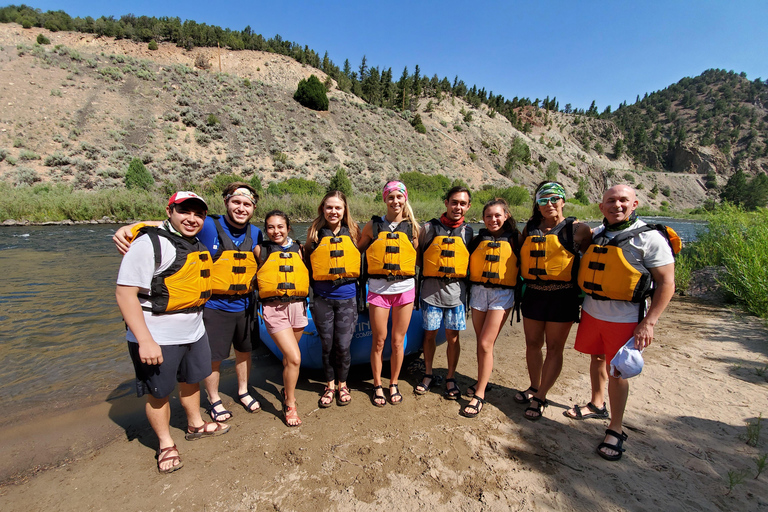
(390, 244)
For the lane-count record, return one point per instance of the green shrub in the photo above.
(518, 154)
(152, 45)
(138, 177)
(515, 196)
(311, 94)
(26, 154)
(552, 171)
(294, 186)
(424, 185)
(212, 120)
(340, 182)
(41, 39)
(418, 125)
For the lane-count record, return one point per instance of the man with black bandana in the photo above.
(606, 325)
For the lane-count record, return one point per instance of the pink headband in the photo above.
(393, 186)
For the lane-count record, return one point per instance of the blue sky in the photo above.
(578, 51)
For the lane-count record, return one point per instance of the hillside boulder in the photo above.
(690, 158)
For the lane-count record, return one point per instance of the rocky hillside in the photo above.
(78, 110)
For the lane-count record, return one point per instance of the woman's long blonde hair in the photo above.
(346, 219)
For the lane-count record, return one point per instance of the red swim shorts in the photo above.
(597, 337)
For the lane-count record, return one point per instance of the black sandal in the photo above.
(477, 408)
(421, 388)
(215, 415)
(472, 390)
(452, 393)
(524, 399)
(250, 404)
(378, 400)
(395, 394)
(595, 412)
(538, 409)
(616, 447)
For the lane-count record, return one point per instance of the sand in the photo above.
(704, 379)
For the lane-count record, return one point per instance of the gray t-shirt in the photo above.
(437, 292)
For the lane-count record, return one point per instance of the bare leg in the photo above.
(556, 335)
(211, 384)
(618, 392)
(158, 412)
(378, 317)
(430, 347)
(453, 351)
(487, 327)
(243, 371)
(534, 341)
(287, 341)
(401, 318)
(598, 376)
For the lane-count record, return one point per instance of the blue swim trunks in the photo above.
(454, 318)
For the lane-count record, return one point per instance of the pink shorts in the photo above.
(279, 316)
(391, 301)
(597, 337)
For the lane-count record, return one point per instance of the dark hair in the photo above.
(236, 185)
(277, 213)
(457, 190)
(510, 224)
(537, 216)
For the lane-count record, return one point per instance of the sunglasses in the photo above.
(546, 200)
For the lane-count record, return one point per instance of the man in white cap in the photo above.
(617, 273)
(162, 285)
(230, 238)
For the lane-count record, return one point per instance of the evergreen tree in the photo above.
(340, 182)
(416, 82)
(311, 93)
(736, 188)
(403, 96)
(363, 69)
(137, 176)
(757, 196)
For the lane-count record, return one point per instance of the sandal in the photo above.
(163, 455)
(521, 398)
(421, 388)
(290, 413)
(378, 400)
(453, 392)
(538, 409)
(394, 395)
(595, 412)
(216, 415)
(328, 394)
(343, 392)
(472, 390)
(249, 407)
(616, 447)
(476, 408)
(194, 433)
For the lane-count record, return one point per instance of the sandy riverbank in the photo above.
(703, 380)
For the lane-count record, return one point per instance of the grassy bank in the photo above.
(45, 202)
(737, 241)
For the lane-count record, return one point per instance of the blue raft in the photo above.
(312, 350)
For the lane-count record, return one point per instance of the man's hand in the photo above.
(150, 352)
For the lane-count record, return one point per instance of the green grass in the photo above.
(738, 242)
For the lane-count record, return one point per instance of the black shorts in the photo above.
(190, 363)
(227, 329)
(551, 305)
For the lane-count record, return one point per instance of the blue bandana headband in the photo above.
(549, 189)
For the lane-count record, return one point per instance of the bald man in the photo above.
(606, 324)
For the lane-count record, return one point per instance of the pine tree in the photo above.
(403, 96)
(340, 182)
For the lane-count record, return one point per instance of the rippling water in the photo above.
(61, 334)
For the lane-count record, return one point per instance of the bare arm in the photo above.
(130, 307)
(366, 237)
(123, 235)
(582, 236)
(664, 277)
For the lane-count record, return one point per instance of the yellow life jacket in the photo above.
(234, 267)
(185, 286)
(283, 275)
(445, 255)
(391, 254)
(494, 261)
(335, 257)
(610, 271)
(550, 257)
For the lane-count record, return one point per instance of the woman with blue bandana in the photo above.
(549, 264)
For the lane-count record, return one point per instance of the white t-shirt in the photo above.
(138, 269)
(652, 250)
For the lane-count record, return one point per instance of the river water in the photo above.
(62, 339)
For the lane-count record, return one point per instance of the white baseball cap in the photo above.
(628, 361)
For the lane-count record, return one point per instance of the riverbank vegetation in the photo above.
(737, 243)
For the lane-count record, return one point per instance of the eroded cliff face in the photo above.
(690, 158)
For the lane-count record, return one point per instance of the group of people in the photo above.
(187, 290)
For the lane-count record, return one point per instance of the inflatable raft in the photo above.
(312, 350)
